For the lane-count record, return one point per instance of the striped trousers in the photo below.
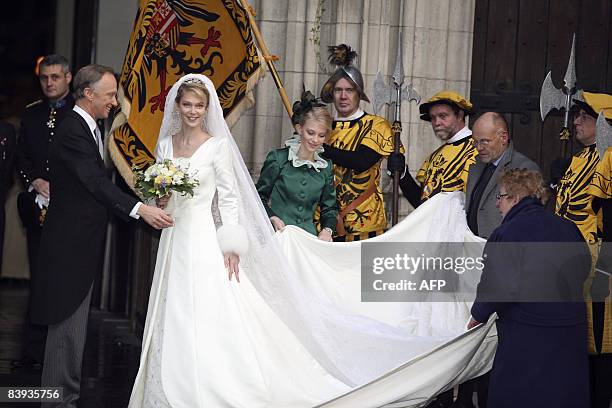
(64, 355)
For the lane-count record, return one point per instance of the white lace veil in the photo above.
(354, 349)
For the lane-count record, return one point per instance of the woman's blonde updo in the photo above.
(310, 108)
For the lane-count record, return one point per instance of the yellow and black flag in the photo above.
(172, 38)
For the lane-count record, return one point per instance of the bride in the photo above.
(259, 338)
(210, 341)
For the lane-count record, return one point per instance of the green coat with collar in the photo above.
(293, 193)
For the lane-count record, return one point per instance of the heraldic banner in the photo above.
(172, 38)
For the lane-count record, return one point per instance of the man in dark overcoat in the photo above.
(72, 242)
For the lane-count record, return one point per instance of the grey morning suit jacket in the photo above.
(488, 216)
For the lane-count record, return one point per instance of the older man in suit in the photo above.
(72, 242)
(495, 154)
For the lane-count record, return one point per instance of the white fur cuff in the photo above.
(233, 238)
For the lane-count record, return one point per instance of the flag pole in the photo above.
(267, 57)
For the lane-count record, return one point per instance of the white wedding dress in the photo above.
(211, 342)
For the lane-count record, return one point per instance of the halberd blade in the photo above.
(381, 93)
(550, 97)
(410, 94)
(570, 73)
(398, 72)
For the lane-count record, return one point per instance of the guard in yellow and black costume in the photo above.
(599, 285)
(583, 197)
(446, 168)
(573, 201)
(358, 143)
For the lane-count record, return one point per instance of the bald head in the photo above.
(491, 136)
(492, 120)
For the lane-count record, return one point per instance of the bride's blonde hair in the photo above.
(194, 86)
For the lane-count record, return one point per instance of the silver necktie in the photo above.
(99, 142)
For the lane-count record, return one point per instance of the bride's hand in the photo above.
(231, 264)
(277, 223)
(163, 201)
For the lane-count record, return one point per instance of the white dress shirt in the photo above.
(358, 113)
(463, 133)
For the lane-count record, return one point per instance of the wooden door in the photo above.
(516, 43)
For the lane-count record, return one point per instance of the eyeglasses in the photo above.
(582, 115)
(483, 142)
(499, 196)
(486, 142)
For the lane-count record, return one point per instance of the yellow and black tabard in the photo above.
(601, 186)
(446, 169)
(573, 199)
(368, 218)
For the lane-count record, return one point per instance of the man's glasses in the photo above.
(483, 142)
(582, 115)
(486, 142)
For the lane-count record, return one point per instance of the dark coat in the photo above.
(488, 217)
(72, 242)
(38, 128)
(294, 193)
(7, 158)
(541, 358)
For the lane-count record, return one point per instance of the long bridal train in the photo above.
(259, 347)
(333, 272)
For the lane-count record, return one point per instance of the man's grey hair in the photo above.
(88, 77)
(56, 59)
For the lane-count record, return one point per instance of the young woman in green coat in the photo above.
(295, 180)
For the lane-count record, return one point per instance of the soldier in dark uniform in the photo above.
(7, 158)
(38, 125)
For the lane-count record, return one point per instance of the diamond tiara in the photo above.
(196, 81)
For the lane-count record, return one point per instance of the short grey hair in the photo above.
(88, 77)
(56, 59)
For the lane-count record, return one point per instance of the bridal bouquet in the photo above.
(159, 179)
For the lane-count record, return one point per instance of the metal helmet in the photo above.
(342, 55)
